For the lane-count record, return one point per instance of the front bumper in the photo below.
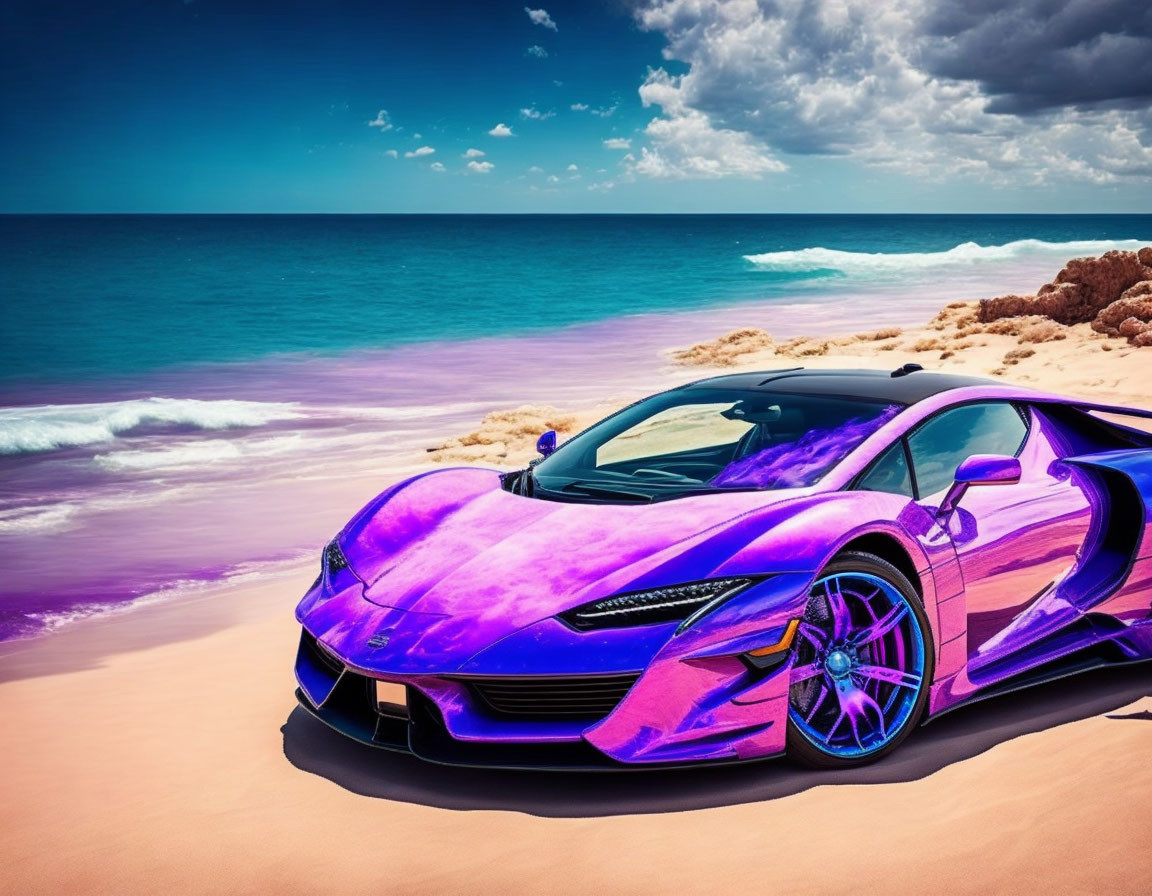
(696, 702)
(345, 701)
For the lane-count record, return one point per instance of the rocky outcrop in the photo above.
(1113, 292)
(1080, 291)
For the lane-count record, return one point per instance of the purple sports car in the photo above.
(807, 562)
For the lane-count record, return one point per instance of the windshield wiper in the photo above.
(598, 491)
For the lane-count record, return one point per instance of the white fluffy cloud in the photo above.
(617, 143)
(540, 17)
(854, 78)
(501, 130)
(480, 167)
(689, 145)
(534, 114)
(391, 153)
(472, 154)
(437, 166)
(421, 151)
(538, 51)
(602, 112)
(381, 121)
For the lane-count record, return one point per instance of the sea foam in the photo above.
(863, 263)
(31, 430)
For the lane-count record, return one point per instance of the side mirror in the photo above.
(546, 444)
(980, 469)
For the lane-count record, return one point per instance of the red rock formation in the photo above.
(1132, 306)
(1080, 291)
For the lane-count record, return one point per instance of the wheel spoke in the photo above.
(856, 705)
(803, 673)
(819, 702)
(891, 676)
(841, 617)
(814, 635)
(828, 736)
(881, 626)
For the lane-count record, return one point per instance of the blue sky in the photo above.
(664, 106)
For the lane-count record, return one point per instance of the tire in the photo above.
(865, 687)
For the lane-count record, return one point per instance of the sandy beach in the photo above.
(162, 750)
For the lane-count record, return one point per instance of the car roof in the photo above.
(905, 385)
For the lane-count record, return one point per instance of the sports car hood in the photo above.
(454, 543)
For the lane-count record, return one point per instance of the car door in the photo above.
(1012, 541)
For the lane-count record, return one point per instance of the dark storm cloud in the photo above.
(1033, 55)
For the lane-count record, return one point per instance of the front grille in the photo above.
(585, 696)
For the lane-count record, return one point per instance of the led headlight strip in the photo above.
(654, 606)
(334, 560)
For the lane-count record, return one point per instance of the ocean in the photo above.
(189, 400)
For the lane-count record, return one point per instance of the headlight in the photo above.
(334, 560)
(655, 606)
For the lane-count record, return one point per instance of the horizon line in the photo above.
(585, 214)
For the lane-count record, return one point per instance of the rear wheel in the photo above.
(863, 666)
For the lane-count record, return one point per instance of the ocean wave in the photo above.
(250, 573)
(33, 430)
(864, 263)
(195, 454)
(206, 452)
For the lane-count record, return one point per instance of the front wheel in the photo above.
(863, 665)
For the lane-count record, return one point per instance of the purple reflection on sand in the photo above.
(802, 462)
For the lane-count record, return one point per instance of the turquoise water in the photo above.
(185, 400)
(93, 295)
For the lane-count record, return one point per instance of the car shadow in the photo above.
(966, 732)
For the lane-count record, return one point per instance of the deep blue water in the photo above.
(86, 296)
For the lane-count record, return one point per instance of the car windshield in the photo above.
(689, 441)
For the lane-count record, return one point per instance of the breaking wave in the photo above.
(864, 263)
(32, 430)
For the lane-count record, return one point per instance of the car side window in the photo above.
(888, 473)
(945, 441)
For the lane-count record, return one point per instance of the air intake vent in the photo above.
(585, 696)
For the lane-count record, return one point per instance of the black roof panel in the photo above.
(877, 385)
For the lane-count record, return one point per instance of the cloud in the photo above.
(381, 121)
(437, 166)
(538, 51)
(573, 167)
(391, 153)
(602, 112)
(540, 17)
(535, 114)
(501, 130)
(421, 151)
(553, 179)
(617, 143)
(1021, 91)
(473, 154)
(480, 167)
(1032, 55)
(535, 169)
